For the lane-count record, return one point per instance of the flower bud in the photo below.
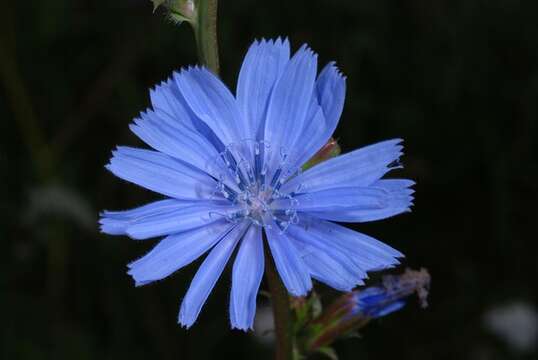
(178, 10)
(329, 150)
(355, 309)
(378, 301)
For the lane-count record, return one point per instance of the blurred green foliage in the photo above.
(458, 80)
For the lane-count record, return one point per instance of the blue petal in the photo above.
(326, 262)
(375, 302)
(166, 98)
(177, 251)
(368, 253)
(179, 141)
(331, 93)
(161, 173)
(361, 167)
(212, 103)
(314, 136)
(326, 269)
(292, 269)
(178, 220)
(401, 186)
(395, 306)
(262, 67)
(325, 110)
(337, 199)
(116, 222)
(207, 275)
(247, 275)
(372, 295)
(398, 199)
(288, 106)
(172, 107)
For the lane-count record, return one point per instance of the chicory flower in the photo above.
(229, 168)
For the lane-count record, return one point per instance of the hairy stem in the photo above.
(281, 309)
(205, 32)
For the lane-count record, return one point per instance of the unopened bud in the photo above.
(355, 309)
(329, 150)
(178, 10)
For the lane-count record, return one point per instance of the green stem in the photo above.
(205, 32)
(281, 309)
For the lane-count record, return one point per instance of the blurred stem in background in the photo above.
(43, 161)
(19, 99)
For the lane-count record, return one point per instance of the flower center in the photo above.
(247, 180)
(256, 203)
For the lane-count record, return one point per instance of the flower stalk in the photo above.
(281, 309)
(205, 33)
(202, 16)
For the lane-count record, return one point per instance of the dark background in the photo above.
(457, 79)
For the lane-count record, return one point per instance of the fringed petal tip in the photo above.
(332, 69)
(262, 42)
(242, 328)
(111, 228)
(279, 41)
(196, 69)
(185, 324)
(186, 317)
(136, 276)
(110, 224)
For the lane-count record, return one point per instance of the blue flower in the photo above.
(375, 302)
(378, 301)
(230, 168)
(353, 310)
